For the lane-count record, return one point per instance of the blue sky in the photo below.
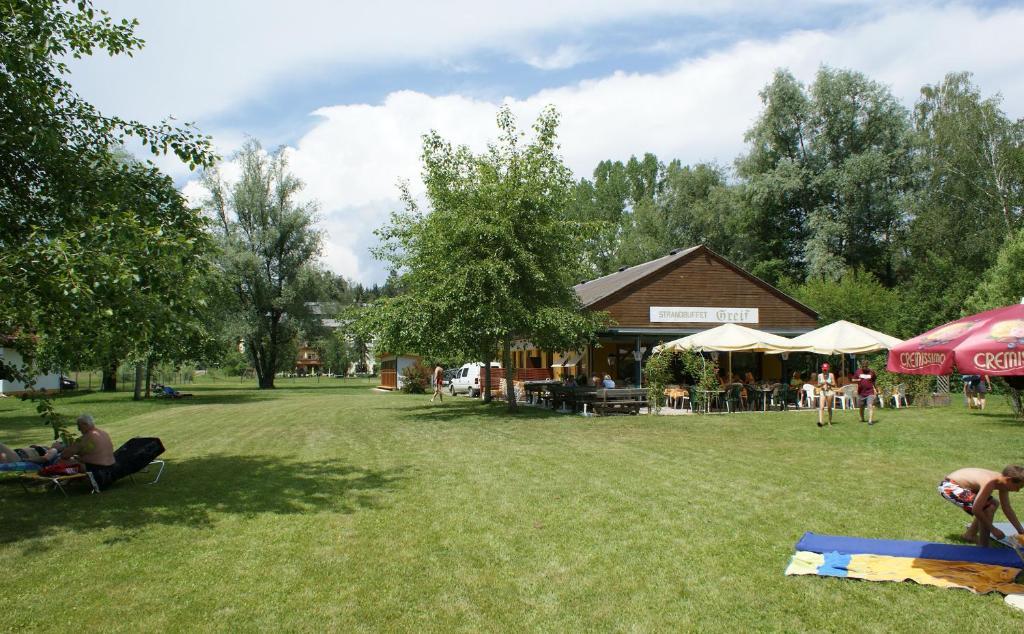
(350, 87)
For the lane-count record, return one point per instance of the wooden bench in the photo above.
(627, 400)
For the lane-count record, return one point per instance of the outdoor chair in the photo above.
(780, 396)
(810, 395)
(136, 455)
(733, 397)
(899, 395)
(846, 397)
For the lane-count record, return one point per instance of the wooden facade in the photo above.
(695, 277)
(703, 278)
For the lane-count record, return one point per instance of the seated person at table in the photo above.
(570, 381)
(748, 378)
(971, 489)
(607, 383)
(595, 381)
(94, 449)
(35, 454)
(796, 381)
(582, 381)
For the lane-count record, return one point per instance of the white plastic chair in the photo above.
(810, 395)
(844, 398)
(899, 394)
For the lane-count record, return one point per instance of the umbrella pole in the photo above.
(728, 378)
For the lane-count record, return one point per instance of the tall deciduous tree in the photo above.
(495, 258)
(970, 166)
(826, 176)
(63, 228)
(270, 244)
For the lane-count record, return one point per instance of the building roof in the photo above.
(595, 290)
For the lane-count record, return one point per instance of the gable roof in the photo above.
(595, 290)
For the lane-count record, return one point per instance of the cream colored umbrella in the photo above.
(844, 337)
(731, 338)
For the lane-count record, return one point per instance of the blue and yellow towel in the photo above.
(986, 575)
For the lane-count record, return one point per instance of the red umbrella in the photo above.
(989, 343)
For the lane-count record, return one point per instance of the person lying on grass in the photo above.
(971, 489)
(36, 454)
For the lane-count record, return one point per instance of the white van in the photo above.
(469, 379)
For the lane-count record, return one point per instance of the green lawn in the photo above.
(331, 507)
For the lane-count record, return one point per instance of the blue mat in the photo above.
(894, 548)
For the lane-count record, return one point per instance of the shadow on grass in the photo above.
(192, 493)
(446, 411)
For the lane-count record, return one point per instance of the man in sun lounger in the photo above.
(971, 489)
(94, 449)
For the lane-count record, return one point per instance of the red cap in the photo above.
(824, 366)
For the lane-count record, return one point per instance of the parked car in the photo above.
(468, 379)
(67, 384)
(450, 374)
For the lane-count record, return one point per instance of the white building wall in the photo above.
(11, 356)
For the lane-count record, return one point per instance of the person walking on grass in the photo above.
(438, 383)
(971, 489)
(866, 392)
(826, 384)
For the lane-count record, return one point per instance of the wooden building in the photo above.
(392, 369)
(682, 293)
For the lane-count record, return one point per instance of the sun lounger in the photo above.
(135, 456)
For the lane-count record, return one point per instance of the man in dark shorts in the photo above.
(866, 392)
(971, 489)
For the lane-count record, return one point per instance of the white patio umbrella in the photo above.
(844, 337)
(731, 338)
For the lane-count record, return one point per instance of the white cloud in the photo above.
(697, 110)
(565, 56)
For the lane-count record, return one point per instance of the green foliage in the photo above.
(416, 379)
(1003, 283)
(480, 269)
(659, 374)
(856, 296)
(703, 370)
(662, 367)
(269, 244)
(826, 176)
(62, 182)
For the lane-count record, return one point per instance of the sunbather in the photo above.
(94, 449)
(35, 454)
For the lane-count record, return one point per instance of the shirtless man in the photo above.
(438, 383)
(94, 449)
(971, 489)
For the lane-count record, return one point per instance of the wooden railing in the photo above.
(533, 374)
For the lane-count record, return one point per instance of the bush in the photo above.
(416, 379)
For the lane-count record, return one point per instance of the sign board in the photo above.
(703, 315)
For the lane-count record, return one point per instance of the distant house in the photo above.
(10, 356)
(307, 361)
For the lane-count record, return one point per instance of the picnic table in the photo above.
(627, 400)
(537, 391)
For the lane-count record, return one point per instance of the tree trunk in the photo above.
(506, 360)
(139, 375)
(149, 375)
(109, 378)
(486, 388)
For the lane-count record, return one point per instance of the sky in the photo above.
(348, 89)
